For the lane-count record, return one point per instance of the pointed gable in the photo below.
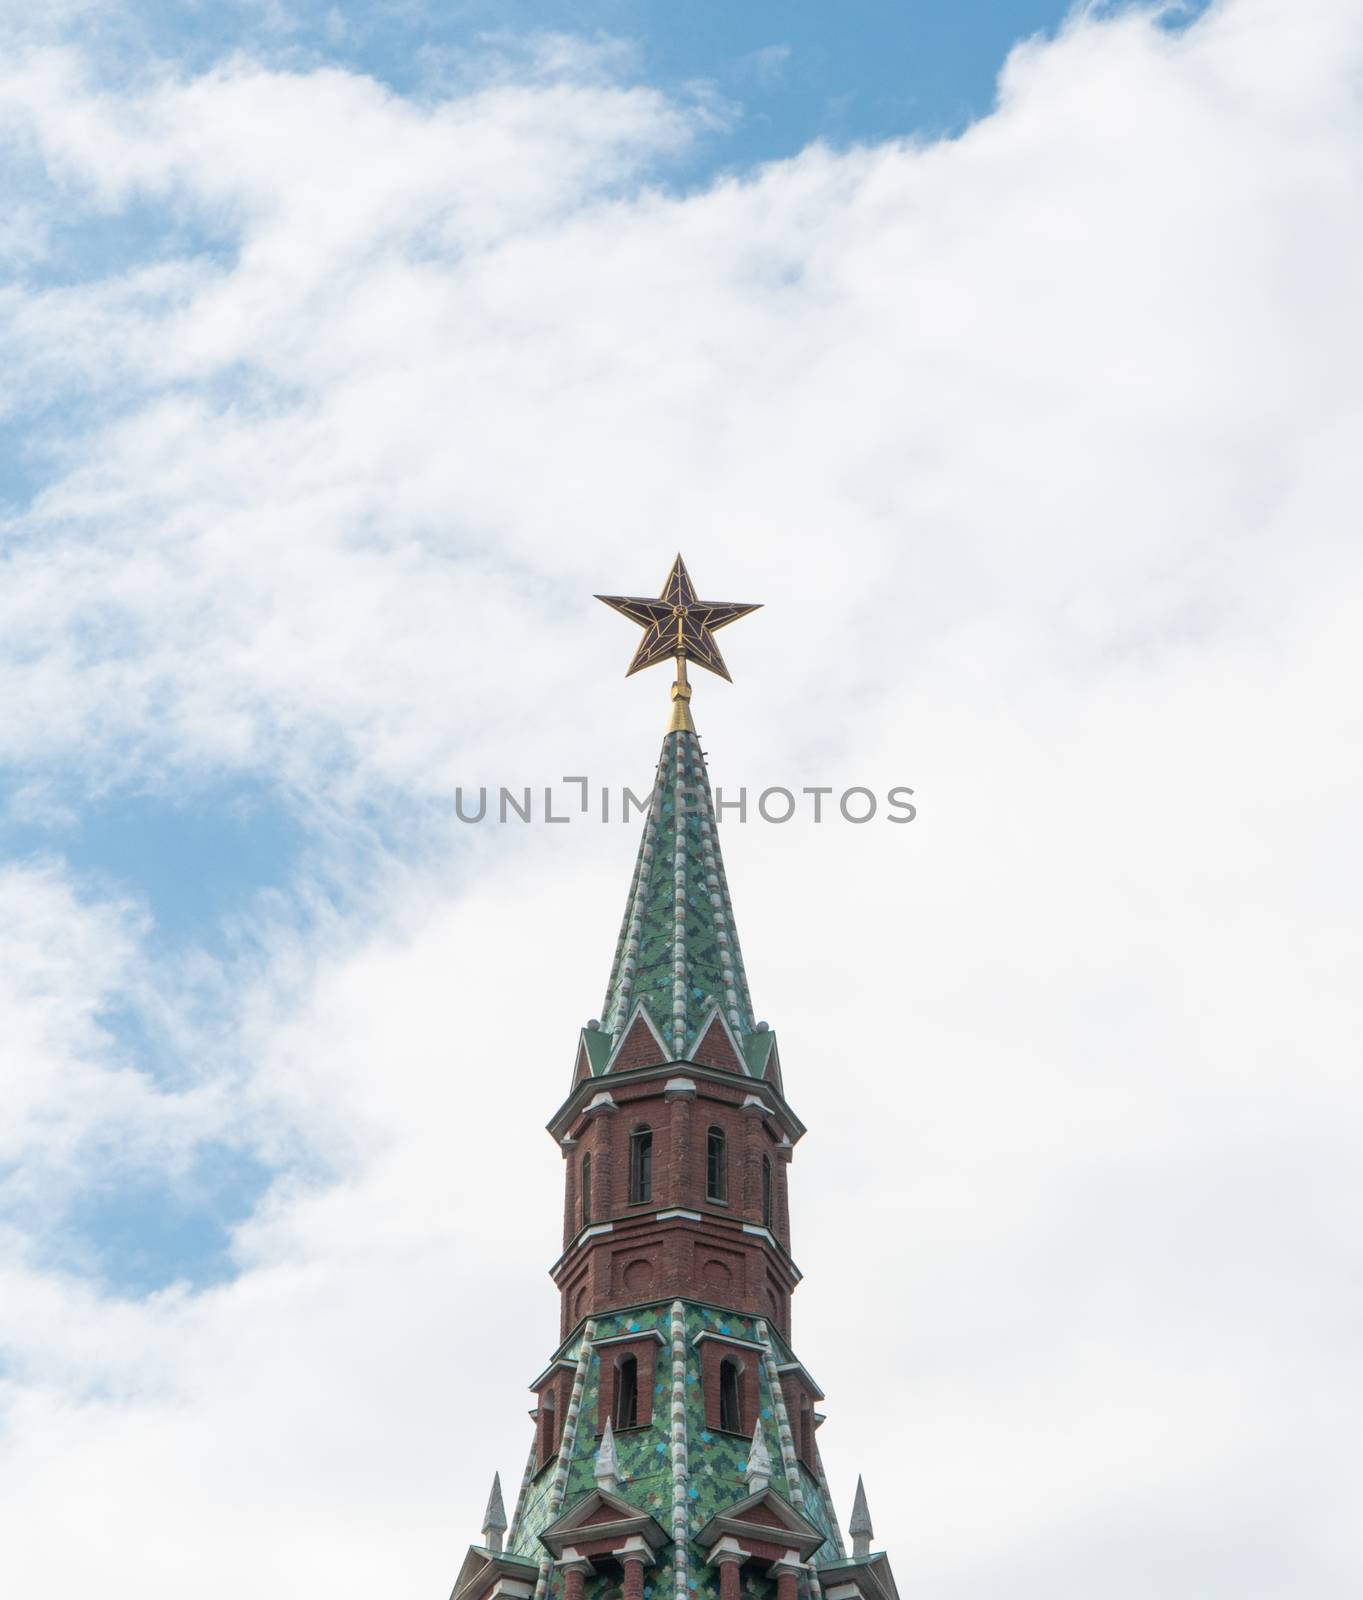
(641, 1045)
(764, 1516)
(859, 1578)
(603, 1513)
(716, 1046)
(763, 1058)
(757, 1517)
(600, 1518)
(487, 1572)
(593, 1051)
(771, 1073)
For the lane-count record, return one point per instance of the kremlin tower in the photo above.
(675, 1452)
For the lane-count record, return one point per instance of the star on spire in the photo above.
(679, 627)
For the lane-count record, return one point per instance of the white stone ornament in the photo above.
(759, 1462)
(607, 1469)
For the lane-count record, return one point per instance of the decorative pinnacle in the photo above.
(679, 627)
(607, 1470)
(860, 1526)
(494, 1518)
(759, 1462)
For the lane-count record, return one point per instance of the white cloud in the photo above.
(1038, 445)
(70, 1094)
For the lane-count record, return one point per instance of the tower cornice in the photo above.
(675, 1217)
(774, 1103)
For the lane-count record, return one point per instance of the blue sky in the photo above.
(348, 351)
(792, 72)
(198, 855)
(785, 75)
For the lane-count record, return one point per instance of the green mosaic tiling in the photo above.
(639, 1319)
(535, 1516)
(679, 951)
(718, 1461)
(818, 1511)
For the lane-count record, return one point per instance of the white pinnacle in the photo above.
(607, 1467)
(860, 1526)
(759, 1462)
(494, 1518)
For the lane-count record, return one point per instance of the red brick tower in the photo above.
(675, 1451)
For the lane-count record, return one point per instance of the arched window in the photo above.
(626, 1409)
(716, 1167)
(640, 1165)
(586, 1188)
(766, 1191)
(730, 1412)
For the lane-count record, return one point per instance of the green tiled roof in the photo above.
(678, 953)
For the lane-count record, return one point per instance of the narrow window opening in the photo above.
(586, 1188)
(730, 1413)
(766, 1191)
(627, 1392)
(546, 1426)
(640, 1166)
(716, 1168)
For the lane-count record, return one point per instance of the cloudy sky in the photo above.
(1012, 359)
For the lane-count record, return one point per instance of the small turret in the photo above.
(860, 1526)
(494, 1518)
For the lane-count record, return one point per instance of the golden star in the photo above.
(676, 624)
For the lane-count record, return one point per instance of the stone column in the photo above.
(782, 1218)
(575, 1572)
(634, 1577)
(752, 1160)
(729, 1556)
(787, 1574)
(602, 1113)
(679, 1092)
(570, 1157)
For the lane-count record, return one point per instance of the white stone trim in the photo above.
(567, 1439)
(680, 778)
(630, 1338)
(728, 1338)
(681, 1474)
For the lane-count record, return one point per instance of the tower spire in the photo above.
(676, 1273)
(678, 956)
(860, 1526)
(494, 1518)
